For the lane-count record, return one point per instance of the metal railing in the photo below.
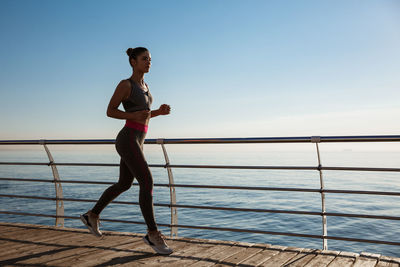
(59, 199)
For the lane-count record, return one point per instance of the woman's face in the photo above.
(142, 62)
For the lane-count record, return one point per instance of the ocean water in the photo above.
(387, 155)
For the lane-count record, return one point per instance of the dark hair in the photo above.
(134, 52)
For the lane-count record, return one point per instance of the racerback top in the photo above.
(138, 99)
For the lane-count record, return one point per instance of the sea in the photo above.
(331, 154)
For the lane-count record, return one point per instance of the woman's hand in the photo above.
(140, 115)
(164, 109)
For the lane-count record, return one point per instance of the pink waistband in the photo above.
(137, 126)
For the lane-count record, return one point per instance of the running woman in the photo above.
(136, 99)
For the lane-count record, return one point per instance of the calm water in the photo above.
(256, 154)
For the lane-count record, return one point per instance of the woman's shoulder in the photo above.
(124, 88)
(125, 82)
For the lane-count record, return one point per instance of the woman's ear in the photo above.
(132, 61)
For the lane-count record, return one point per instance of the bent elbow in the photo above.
(108, 113)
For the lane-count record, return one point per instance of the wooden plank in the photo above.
(5, 245)
(153, 259)
(8, 247)
(323, 258)
(28, 252)
(204, 256)
(73, 250)
(187, 256)
(302, 258)
(68, 257)
(200, 252)
(42, 238)
(30, 234)
(382, 263)
(23, 227)
(101, 256)
(282, 257)
(366, 260)
(125, 254)
(264, 255)
(385, 261)
(184, 247)
(91, 240)
(29, 227)
(239, 257)
(21, 245)
(225, 253)
(65, 258)
(9, 229)
(344, 259)
(12, 252)
(20, 232)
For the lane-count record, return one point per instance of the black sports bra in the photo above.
(138, 99)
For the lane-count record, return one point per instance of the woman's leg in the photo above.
(132, 155)
(131, 151)
(124, 183)
(91, 218)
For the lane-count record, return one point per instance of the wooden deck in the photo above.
(34, 245)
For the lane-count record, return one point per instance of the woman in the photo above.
(136, 99)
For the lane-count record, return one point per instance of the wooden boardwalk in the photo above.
(36, 245)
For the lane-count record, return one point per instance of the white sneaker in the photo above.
(156, 241)
(92, 222)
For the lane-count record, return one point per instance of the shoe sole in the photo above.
(154, 247)
(89, 227)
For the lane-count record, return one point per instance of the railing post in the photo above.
(58, 187)
(316, 140)
(174, 211)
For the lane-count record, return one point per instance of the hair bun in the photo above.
(129, 51)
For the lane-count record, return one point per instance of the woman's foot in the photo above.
(91, 220)
(156, 241)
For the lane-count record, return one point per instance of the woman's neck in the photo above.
(138, 77)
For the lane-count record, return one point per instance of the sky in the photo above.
(227, 68)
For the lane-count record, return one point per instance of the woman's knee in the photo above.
(122, 187)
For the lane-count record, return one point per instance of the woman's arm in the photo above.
(122, 92)
(154, 113)
(163, 110)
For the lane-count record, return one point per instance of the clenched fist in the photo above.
(164, 109)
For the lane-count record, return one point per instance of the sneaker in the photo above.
(156, 241)
(92, 223)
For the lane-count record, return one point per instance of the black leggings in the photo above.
(129, 145)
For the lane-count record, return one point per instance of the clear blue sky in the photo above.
(227, 68)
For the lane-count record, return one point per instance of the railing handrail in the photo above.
(301, 139)
(174, 223)
(304, 168)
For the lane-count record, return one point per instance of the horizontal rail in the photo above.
(221, 229)
(308, 190)
(52, 181)
(217, 208)
(25, 163)
(302, 139)
(62, 164)
(213, 166)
